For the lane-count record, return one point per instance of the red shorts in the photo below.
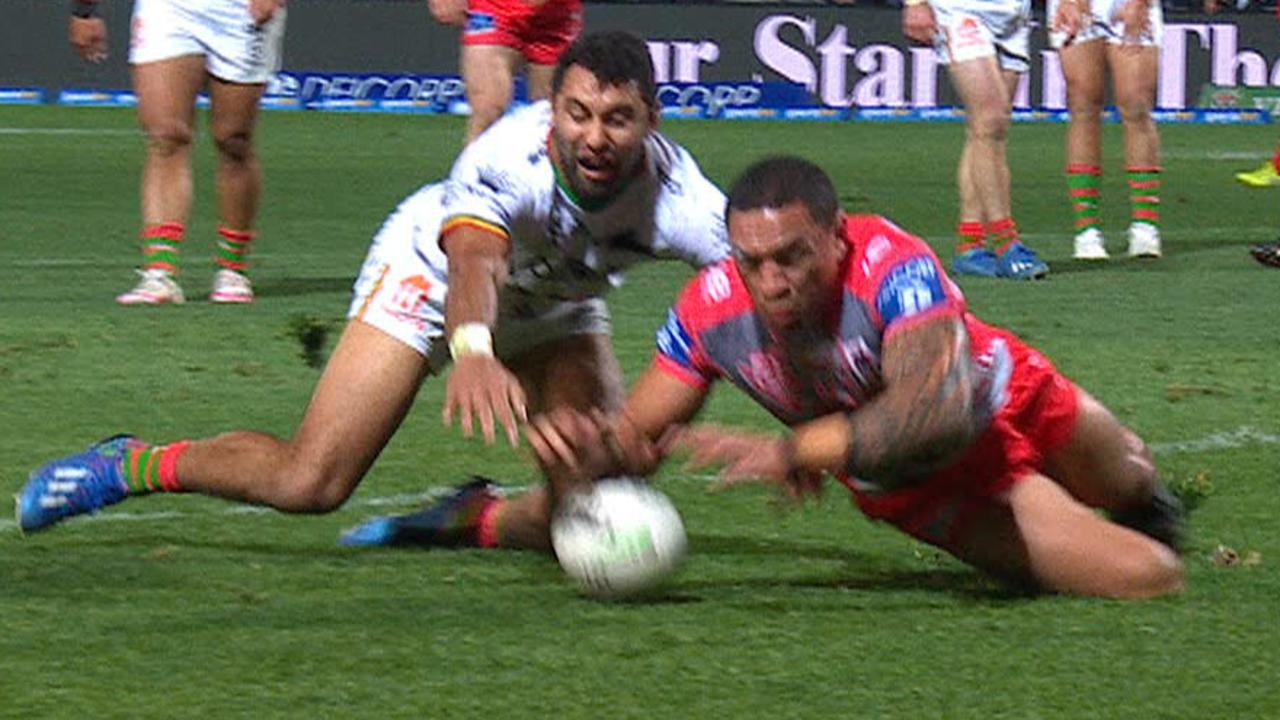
(541, 33)
(1038, 417)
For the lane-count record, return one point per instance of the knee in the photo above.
(1152, 572)
(235, 147)
(169, 139)
(988, 125)
(313, 489)
(1085, 108)
(1135, 112)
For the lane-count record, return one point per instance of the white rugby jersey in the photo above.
(563, 251)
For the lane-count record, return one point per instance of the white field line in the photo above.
(1240, 437)
(67, 131)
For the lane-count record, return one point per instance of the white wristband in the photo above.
(471, 338)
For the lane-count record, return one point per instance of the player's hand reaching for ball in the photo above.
(746, 457)
(482, 389)
(574, 447)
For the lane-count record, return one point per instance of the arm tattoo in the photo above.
(926, 414)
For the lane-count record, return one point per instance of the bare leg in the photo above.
(984, 90)
(580, 372)
(239, 177)
(1043, 536)
(1083, 67)
(489, 74)
(1046, 533)
(166, 92)
(539, 79)
(1133, 72)
(363, 395)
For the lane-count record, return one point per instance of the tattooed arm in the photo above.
(924, 417)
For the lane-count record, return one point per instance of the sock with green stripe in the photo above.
(970, 235)
(1004, 234)
(233, 249)
(1083, 185)
(160, 244)
(153, 468)
(1144, 194)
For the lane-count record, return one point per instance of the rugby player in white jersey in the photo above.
(984, 45)
(501, 268)
(177, 48)
(1092, 36)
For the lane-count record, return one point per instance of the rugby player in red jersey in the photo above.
(847, 330)
(501, 36)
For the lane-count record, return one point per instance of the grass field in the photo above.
(186, 607)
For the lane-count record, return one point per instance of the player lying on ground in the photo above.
(535, 224)
(847, 330)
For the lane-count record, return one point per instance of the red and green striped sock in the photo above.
(1083, 183)
(153, 468)
(1144, 194)
(969, 236)
(1275, 160)
(233, 249)
(160, 244)
(1004, 233)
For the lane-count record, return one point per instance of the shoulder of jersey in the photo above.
(714, 294)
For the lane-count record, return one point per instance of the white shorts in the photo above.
(402, 287)
(235, 49)
(971, 29)
(1103, 25)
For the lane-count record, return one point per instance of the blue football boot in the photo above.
(74, 485)
(1020, 262)
(978, 261)
(451, 521)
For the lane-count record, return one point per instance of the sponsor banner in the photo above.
(369, 92)
(1220, 96)
(97, 98)
(21, 96)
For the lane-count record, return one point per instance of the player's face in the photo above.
(789, 262)
(598, 133)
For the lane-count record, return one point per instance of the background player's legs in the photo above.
(489, 74)
(1083, 66)
(1133, 73)
(233, 117)
(166, 91)
(580, 372)
(982, 89)
(538, 79)
(987, 93)
(367, 388)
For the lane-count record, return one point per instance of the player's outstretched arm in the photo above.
(921, 420)
(480, 388)
(924, 417)
(572, 447)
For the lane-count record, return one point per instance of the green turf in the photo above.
(186, 607)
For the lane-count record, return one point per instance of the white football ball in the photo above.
(620, 539)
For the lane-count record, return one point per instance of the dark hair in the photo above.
(781, 180)
(615, 58)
